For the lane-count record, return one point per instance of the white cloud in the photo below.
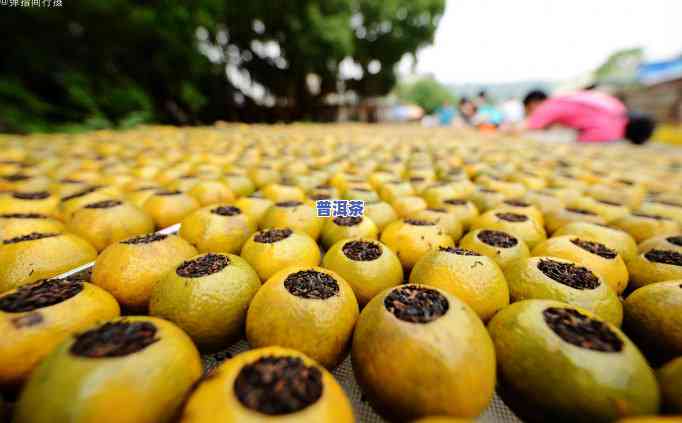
(510, 40)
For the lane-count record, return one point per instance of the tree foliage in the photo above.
(99, 63)
(427, 93)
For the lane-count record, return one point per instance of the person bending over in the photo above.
(596, 116)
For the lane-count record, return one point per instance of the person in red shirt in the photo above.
(596, 116)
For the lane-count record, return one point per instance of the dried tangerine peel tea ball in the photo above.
(35, 318)
(271, 250)
(654, 266)
(295, 215)
(169, 207)
(130, 269)
(552, 278)
(42, 202)
(642, 226)
(13, 225)
(517, 205)
(670, 377)
(207, 296)
(473, 278)
(464, 210)
(218, 228)
(419, 351)
(104, 222)
(665, 242)
(100, 370)
(444, 218)
(596, 256)
(367, 265)
(40, 255)
(411, 239)
(613, 238)
(502, 247)
(310, 309)
(342, 227)
(556, 219)
(557, 362)
(272, 383)
(381, 213)
(520, 225)
(661, 207)
(283, 192)
(90, 194)
(653, 317)
(211, 192)
(253, 206)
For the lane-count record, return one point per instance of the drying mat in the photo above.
(497, 411)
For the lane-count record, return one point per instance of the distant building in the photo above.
(660, 91)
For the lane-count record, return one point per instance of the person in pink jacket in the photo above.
(596, 116)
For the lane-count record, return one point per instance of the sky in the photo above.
(490, 41)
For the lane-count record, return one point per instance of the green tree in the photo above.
(427, 93)
(96, 63)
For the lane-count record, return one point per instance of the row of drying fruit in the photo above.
(464, 221)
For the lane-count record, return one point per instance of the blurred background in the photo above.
(119, 63)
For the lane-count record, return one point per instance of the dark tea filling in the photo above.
(347, 221)
(30, 237)
(675, 240)
(512, 217)
(226, 211)
(459, 251)
(595, 248)
(289, 204)
(278, 385)
(23, 216)
(609, 203)
(418, 222)
(456, 202)
(311, 284)
(569, 274)
(361, 250)
(168, 193)
(38, 195)
(650, 216)
(205, 265)
(497, 239)
(516, 203)
(665, 257)
(416, 304)
(115, 339)
(16, 177)
(579, 330)
(40, 294)
(580, 211)
(145, 239)
(106, 204)
(81, 193)
(269, 236)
